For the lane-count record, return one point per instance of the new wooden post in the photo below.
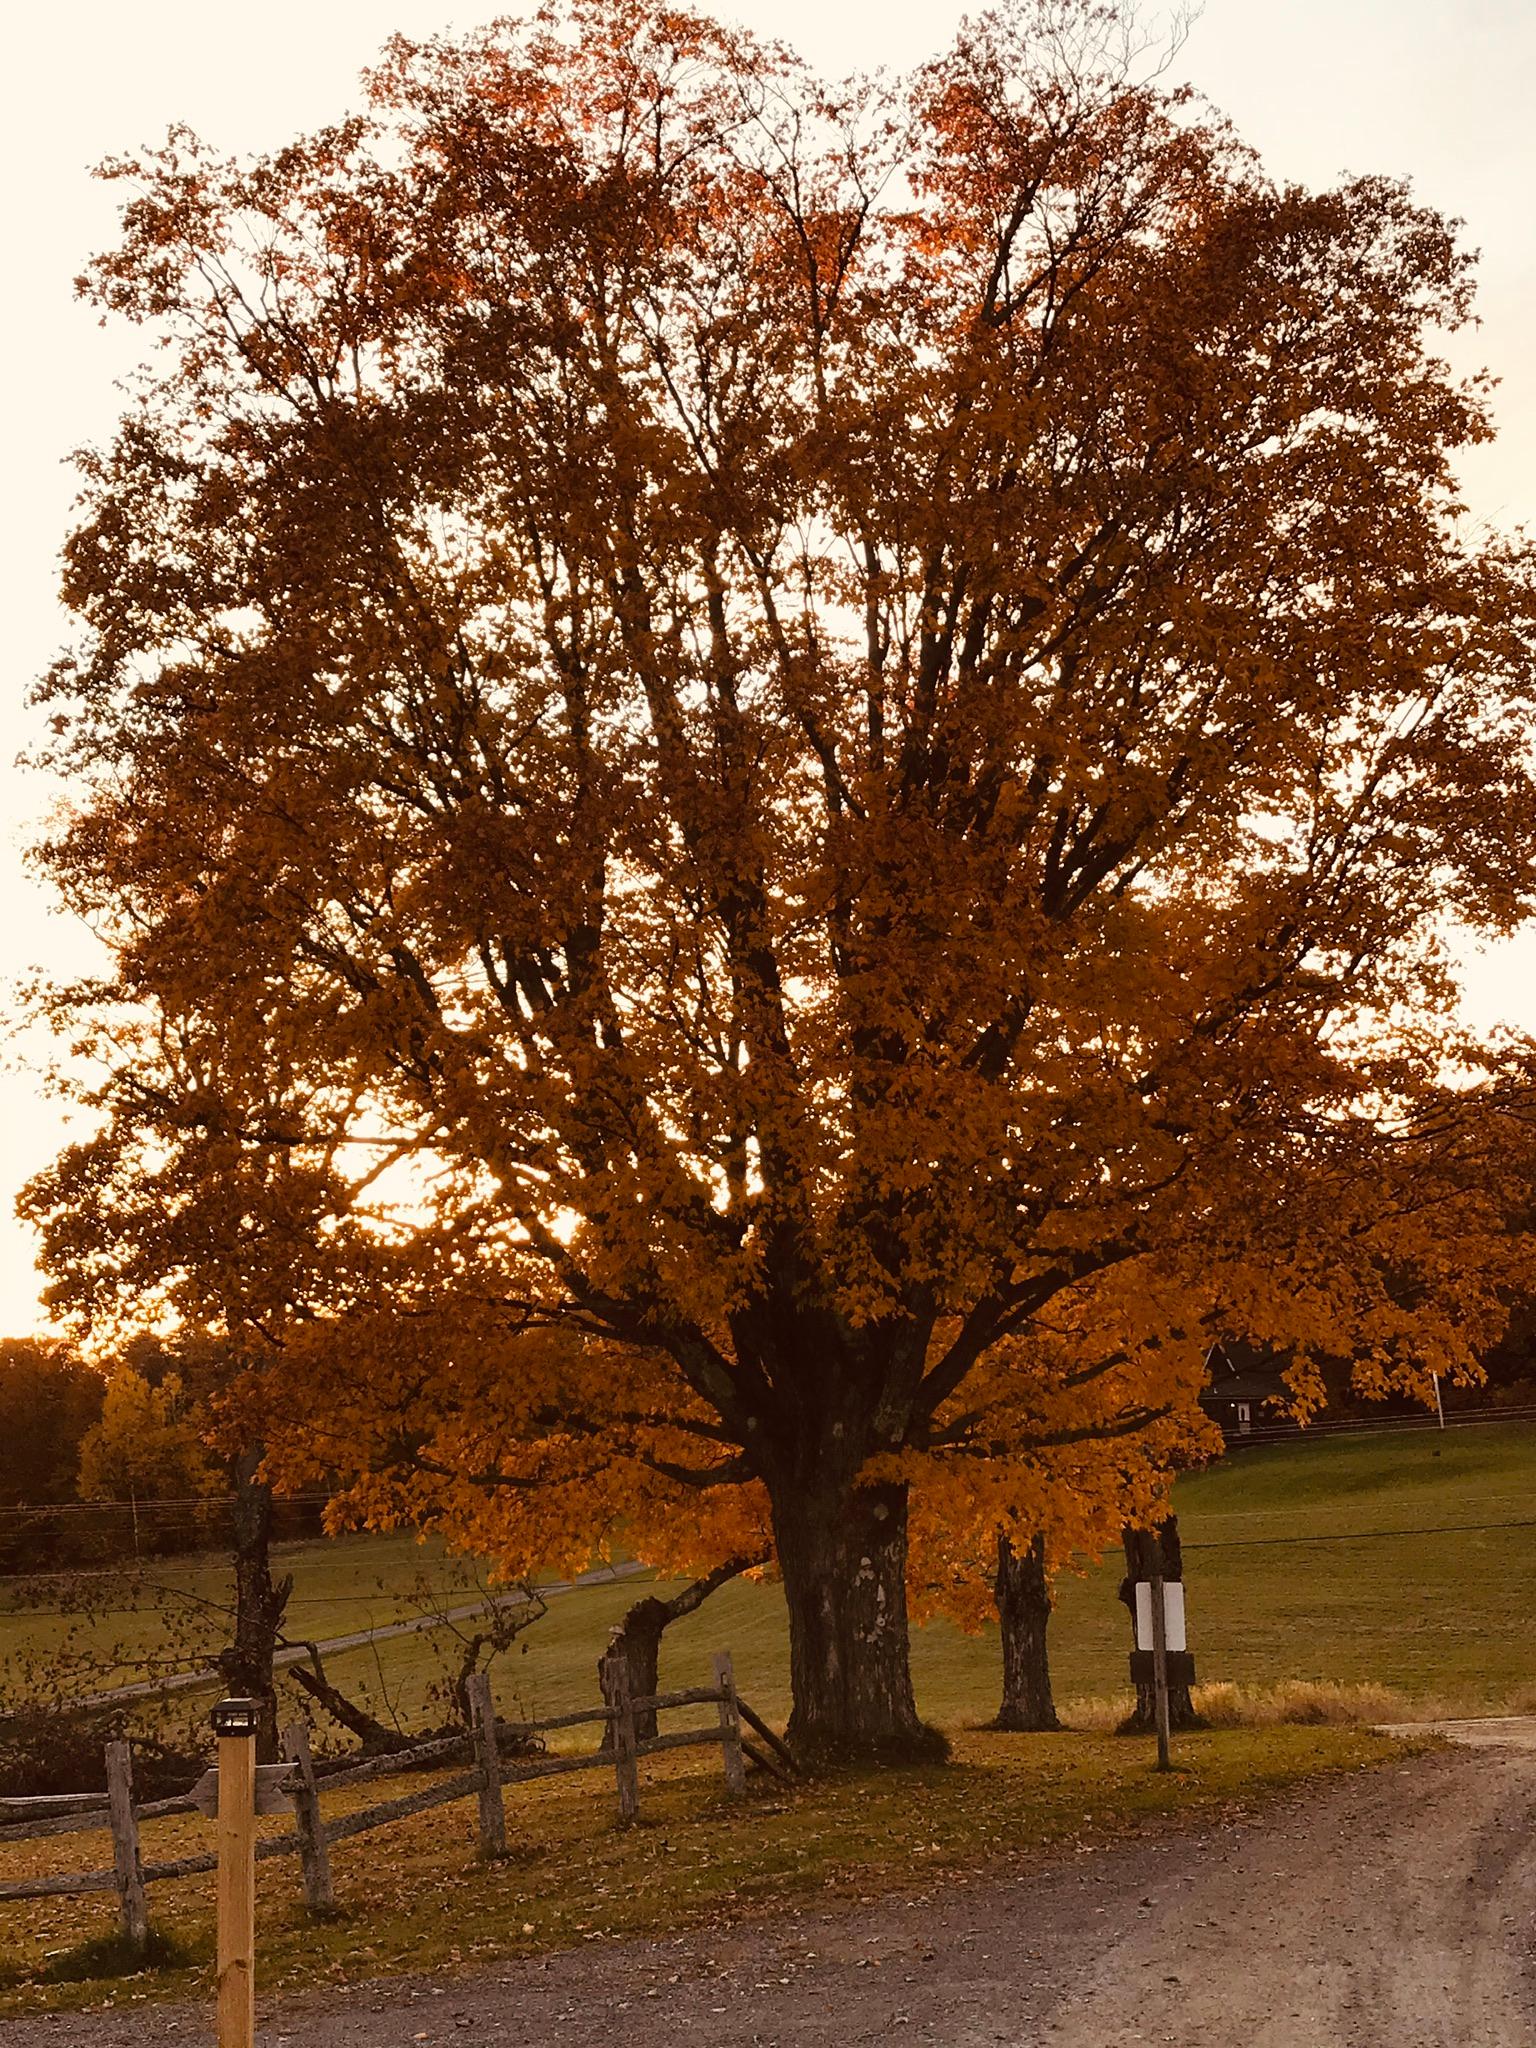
(482, 1717)
(1159, 1655)
(235, 1722)
(126, 1863)
(620, 1699)
(309, 1824)
(730, 1725)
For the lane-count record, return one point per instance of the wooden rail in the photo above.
(312, 1834)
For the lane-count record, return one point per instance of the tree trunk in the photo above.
(843, 1555)
(637, 1643)
(1024, 1611)
(1141, 1558)
(259, 1603)
(637, 1639)
(376, 1739)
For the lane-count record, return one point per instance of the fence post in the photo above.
(235, 1722)
(309, 1824)
(730, 1725)
(482, 1716)
(126, 1863)
(620, 1700)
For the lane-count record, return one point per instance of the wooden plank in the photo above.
(395, 1765)
(42, 1805)
(730, 1725)
(551, 1766)
(271, 1795)
(369, 1817)
(194, 1866)
(690, 1696)
(76, 1881)
(400, 1762)
(337, 1830)
(127, 1865)
(492, 1814)
(756, 1722)
(236, 1979)
(559, 1721)
(765, 1760)
(182, 1866)
(61, 1824)
(61, 1887)
(614, 1671)
(314, 1854)
(153, 1809)
(686, 1738)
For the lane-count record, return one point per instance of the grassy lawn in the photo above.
(1287, 1573)
(1286, 1576)
(412, 1896)
(341, 1586)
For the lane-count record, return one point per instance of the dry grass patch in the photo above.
(1307, 1703)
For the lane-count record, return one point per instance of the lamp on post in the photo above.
(236, 1717)
(235, 1722)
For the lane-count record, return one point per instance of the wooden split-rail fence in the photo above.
(313, 1835)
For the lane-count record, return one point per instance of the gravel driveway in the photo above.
(1396, 1909)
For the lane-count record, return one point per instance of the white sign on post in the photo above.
(1173, 1615)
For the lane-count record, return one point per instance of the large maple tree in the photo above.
(830, 727)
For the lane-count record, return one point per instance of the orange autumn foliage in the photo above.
(773, 769)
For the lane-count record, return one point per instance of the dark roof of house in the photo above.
(1236, 1354)
(1252, 1387)
(1240, 1371)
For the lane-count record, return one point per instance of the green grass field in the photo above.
(1320, 1559)
(1303, 1560)
(1286, 1576)
(342, 1586)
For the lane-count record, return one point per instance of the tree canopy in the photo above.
(146, 1445)
(775, 768)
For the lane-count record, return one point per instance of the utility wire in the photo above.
(1351, 1536)
(208, 1502)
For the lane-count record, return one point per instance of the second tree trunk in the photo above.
(1148, 1551)
(1024, 1612)
(259, 1602)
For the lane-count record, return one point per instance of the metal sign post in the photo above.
(1161, 1657)
(1160, 1669)
(235, 1722)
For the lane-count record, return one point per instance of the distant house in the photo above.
(1245, 1387)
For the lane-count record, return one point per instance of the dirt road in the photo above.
(1394, 1910)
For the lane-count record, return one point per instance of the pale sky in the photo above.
(1434, 90)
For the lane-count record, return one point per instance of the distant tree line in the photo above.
(103, 1462)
